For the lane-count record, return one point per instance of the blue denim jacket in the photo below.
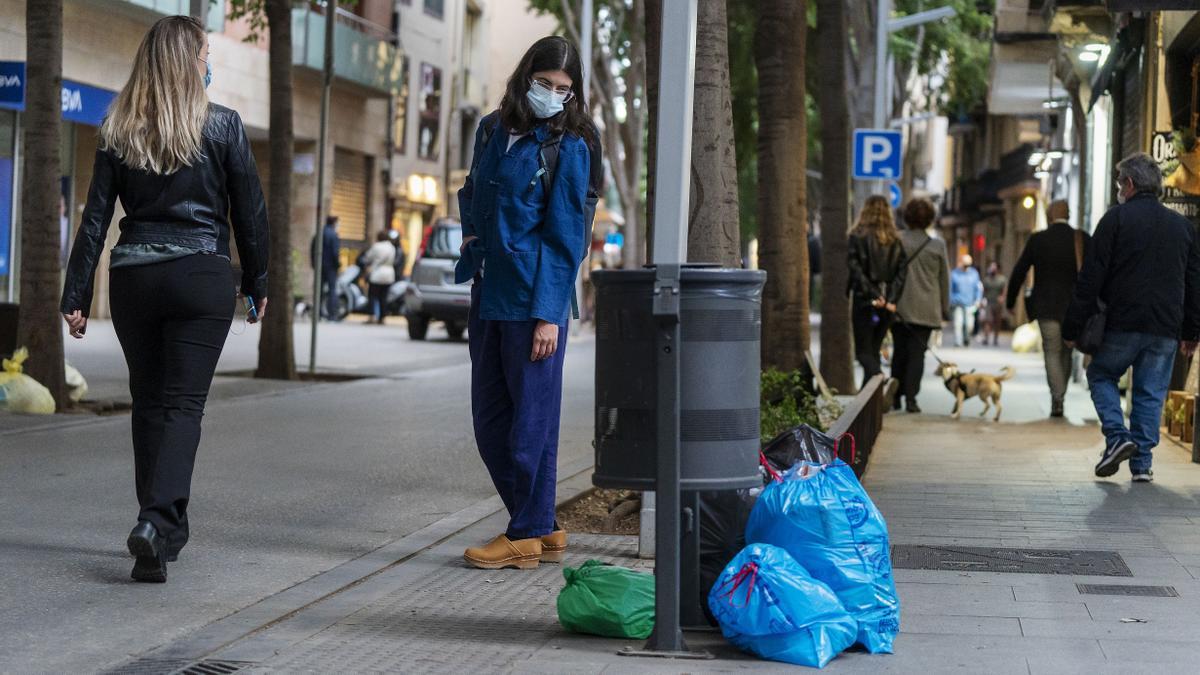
(530, 243)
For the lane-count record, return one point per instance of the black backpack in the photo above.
(548, 163)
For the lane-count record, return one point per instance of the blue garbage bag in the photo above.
(768, 605)
(821, 515)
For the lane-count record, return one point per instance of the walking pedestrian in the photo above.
(380, 263)
(183, 171)
(924, 303)
(966, 295)
(1143, 274)
(328, 267)
(1055, 255)
(994, 284)
(876, 280)
(524, 237)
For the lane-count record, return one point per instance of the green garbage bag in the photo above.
(602, 599)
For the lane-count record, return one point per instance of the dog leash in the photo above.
(927, 347)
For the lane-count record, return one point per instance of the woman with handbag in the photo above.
(876, 262)
(183, 171)
(924, 303)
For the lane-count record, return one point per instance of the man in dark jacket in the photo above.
(328, 269)
(1144, 266)
(1055, 254)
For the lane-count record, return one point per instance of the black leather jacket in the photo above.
(192, 207)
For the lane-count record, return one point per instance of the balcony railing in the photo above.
(363, 53)
(216, 10)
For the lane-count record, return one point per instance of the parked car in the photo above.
(432, 294)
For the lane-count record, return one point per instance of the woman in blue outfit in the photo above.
(524, 237)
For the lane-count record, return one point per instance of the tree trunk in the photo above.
(837, 365)
(713, 231)
(653, 66)
(782, 159)
(276, 347)
(40, 326)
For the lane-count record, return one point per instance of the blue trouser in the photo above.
(329, 287)
(515, 406)
(1152, 358)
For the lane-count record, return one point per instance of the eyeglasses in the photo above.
(566, 92)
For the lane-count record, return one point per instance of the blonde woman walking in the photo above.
(183, 171)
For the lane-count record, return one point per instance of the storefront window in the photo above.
(435, 8)
(429, 129)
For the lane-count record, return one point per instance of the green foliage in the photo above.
(743, 91)
(956, 52)
(786, 402)
(255, 13)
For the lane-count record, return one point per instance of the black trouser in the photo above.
(870, 327)
(172, 319)
(908, 357)
(329, 293)
(377, 295)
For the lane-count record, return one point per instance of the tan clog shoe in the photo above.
(554, 546)
(504, 552)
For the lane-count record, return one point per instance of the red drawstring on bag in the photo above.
(853, 447)
(748, 571)
(762, 459)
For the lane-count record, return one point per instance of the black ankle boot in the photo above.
(150, 549)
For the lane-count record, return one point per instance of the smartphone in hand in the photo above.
(251, 310)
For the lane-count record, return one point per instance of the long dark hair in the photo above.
(549, 53)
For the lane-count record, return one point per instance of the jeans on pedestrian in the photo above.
(171, 319)
(329, 289)
(908, 357)
(1152, 358)
(964, 324)
(870, 327)
(516, 408)
(1058, 358)
(378, 296)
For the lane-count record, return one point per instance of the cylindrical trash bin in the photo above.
(720, 326)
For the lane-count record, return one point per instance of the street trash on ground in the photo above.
(724, 513)
(77, 387)
(1027, 338)
(823, 517)
(607, 600)
(21, 393)
(767, 604)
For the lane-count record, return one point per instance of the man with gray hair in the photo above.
(1143, 273)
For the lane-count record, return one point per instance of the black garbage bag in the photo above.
(723, 516)
(800, 443)
(724, 513)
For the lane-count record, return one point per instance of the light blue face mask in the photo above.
(545, 103)
(207, 74)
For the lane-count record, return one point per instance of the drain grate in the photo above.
(148, 666)
(1018, 560)
(1132, 591)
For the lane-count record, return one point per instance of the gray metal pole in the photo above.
(673, 175)
(883, 13)
(199, 9)
(330, 21)
(585, 38)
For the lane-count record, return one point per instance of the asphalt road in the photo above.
(287, 485)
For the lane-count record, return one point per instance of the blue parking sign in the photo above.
(877, 154)
(895, 196)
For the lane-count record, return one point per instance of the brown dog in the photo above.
(969, 385)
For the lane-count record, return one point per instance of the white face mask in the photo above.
(545, 102)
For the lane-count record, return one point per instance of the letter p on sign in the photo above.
(877, 154)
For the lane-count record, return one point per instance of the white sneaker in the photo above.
(1147, 477)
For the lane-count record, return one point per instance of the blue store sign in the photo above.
(81, 103)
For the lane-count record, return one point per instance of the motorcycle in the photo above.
(352, 298)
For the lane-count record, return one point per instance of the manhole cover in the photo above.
(1121, 589)
(1018, 560)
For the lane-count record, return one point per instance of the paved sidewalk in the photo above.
(1022, 484)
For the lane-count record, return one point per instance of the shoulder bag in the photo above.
(1092, 335)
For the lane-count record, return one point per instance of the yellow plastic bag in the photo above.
(21, 393)
(77, 387)
(1027, 339)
